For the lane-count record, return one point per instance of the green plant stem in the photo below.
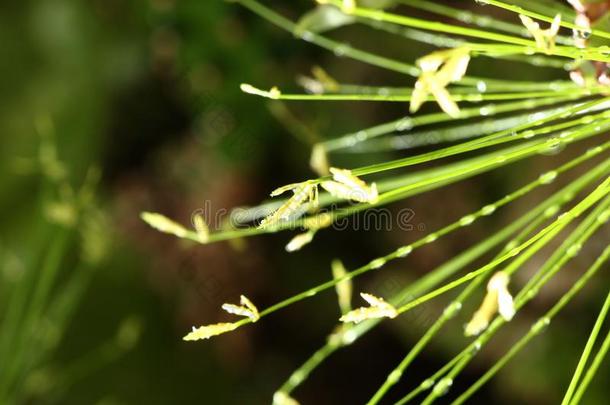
(592, 371)
(587, 351)
(48, 273)
(475, 97)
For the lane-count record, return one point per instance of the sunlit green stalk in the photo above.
(592, 371)
(587, 351)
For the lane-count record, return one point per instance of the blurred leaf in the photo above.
(323, 18)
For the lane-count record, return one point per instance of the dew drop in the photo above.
(404, 251)
(603, 217)
(297, 378)
(467, 220)
(341, 50)
(574, 249)
(558, 85)
(452, 309)
(307, 36)
(404, 124)
(377, 263)
(541, 324)
(488, 209)
(361, 136)
(587, 119)
(465, 16)
(442, 386)
(528, 134)
(394, 376)
(531, 294)
(481, 86)
(529, 51)
(510, 245)
(594, 151)
(548, 177)
(537, 116)
(484, 111)
(349, 337)
(431, 238)
(484, 21)
(553, 145)
(383, 91)
(551, 211)
(427, 383)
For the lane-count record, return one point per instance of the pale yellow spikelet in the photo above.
(328, 82)
(444, 100)
(545, 39)
(273, 93)
(481, 318)
(420, 91)
(323, 220)
(341, 191)
(319, 160)
(378, 308)
(283, 189)
(455, 66)
(344, 288)
(162, 223)
(300, 240)
(320, 83)
(282, 398)
(438, 70)
(346, 177)
(201, 227)
(207, 331)
(506, 306)
(248, 304)
(497, 300)
(349, 187)
(246, 309)
(303, 193)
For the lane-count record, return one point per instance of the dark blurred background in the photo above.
(148, 93)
